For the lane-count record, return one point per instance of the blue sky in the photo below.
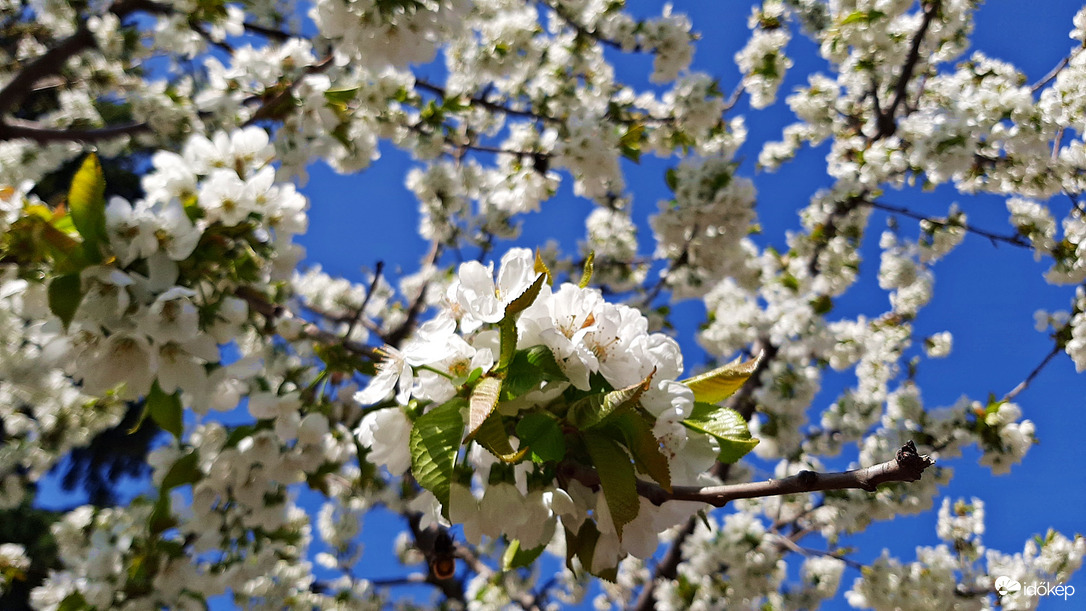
(985, 294)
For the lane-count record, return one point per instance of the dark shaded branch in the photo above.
(272, 312)
(907, 466)
(1015, 240)
(478, 101)
(52, 61)
(13, 128)
(886, 120)
(582, 30)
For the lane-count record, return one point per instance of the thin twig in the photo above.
(1015, 240)
(1053, 73)
(1024, 384)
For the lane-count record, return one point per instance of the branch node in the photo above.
(911, 462)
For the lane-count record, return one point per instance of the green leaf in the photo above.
(630, 142)
(161, 517)
(341, 96)
(589, 411)
(87, 202)
(494, 439)
(617, 478)
(582, 545)
(515, 557)
(540, 432)
(636, 429)
(541, 268)
(719, 384)
(65, 293)
(671, 178)
(528, 369)
(586, 275)
(526, 298)
(508, 325)
(74, 602)
(727, 426)
(166, 410)
(484, 398)
(434, 443)
(186, 470)
(862, 17)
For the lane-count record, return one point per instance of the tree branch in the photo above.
(13, 128)
(53, 60)
(907, 466)
(1015, 240)
(272, 312)
(885, 120)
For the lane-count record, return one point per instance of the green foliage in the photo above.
(542, 434)
(165, 410)
(65, 294)
(87, 202)
(719, 384)
(434, 444)
(617, 478)
(515, 557)
(726, 425)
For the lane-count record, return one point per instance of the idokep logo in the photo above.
(1008, 587)
(1005, 585)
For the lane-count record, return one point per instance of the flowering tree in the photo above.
(530, 401)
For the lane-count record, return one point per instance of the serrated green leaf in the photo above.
(494, 439)
(484, 398)
(166, 410)
(589, 411)
(65, 293)
(541, 433)
(515, 557)
(727, 426)
(434, 443)
(617, 478)
(508, 325)
(586, 275)
(636, 429)
(87, 203)
(719, 384)
(525, 299)
(541, 268)
(186, 470)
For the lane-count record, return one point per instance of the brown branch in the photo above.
(885, 120)
(52, 61)
(584, 31)
(1024, 384)
(1015, 240)
(271, 105)
(907, 466)
(272, 312)
(478, 101)
(1052, 74)
(12, 129)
